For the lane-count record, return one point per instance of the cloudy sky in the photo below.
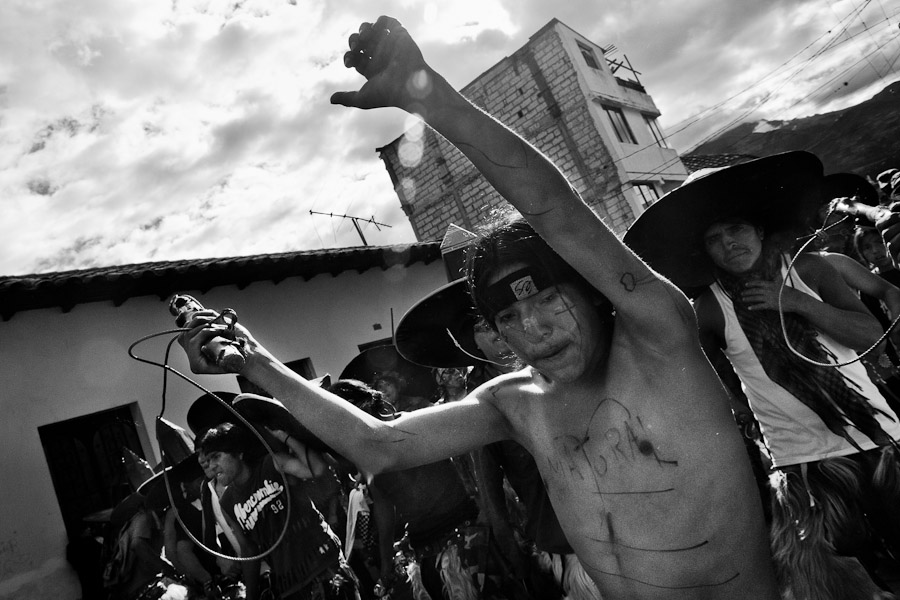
(148, 130)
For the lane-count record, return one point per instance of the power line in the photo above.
(708, 112)
(830, 45)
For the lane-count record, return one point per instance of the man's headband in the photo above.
(518, 285)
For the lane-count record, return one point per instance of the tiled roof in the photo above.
(695, 162)
(117, 284)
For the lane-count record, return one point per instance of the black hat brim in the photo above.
(438, 331)
(174, 442)
(780, 193)
(371, 363)
(848, 185)
(264, 412)
(208, 411)
(154, 489)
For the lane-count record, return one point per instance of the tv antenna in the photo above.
(356, 222)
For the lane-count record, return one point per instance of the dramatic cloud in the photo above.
(134, 131)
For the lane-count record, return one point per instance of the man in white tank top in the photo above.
(828, 432)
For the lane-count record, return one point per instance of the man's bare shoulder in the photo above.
(808, 263)
(503, 386)
(815, 270)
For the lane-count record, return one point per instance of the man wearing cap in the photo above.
(828, 431)
(271, 515)
(618, 405)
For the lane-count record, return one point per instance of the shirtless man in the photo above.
(624, 415)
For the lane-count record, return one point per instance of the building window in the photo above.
(653, 126)
(646, 193)
(588, 53)
(620, 125)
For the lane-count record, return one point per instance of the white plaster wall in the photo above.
(56, 366)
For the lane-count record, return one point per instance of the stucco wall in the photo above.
(56, 366)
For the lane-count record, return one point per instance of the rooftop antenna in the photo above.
(356, 221)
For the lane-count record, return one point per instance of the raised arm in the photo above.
(397, 75)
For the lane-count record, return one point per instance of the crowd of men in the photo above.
(706, 409)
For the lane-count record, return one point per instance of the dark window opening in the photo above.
(657, 133)
(620, 125)
(646, 193)
(85, 456)
(588, 53)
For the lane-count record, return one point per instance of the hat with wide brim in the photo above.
(212, 409)
(137, 470)
(370, 364)
(267, 412)
(127, 508)
(849, 185)
(154, 490)
(174, 442)
(438, 331)
(209, 410)
(780, 193)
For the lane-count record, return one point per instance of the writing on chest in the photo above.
(612, 441)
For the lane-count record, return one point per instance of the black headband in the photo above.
(518, 285)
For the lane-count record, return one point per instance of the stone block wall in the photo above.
(538, 93)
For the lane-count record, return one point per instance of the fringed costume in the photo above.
(832, 440)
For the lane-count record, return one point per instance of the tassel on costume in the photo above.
(551, 563)
(886, 478)
(570, 575)
(806, 564)
(414, 577)
(576, 583)
(458, 584)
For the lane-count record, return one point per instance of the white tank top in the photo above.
(792, 432)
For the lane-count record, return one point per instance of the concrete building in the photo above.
(72, 398)
(585, 109)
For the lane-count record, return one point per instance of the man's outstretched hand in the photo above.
(396, 73)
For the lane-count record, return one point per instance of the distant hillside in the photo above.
(863, 139)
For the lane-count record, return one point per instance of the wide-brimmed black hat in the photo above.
(779, 193)
(175, 443)
(179, 462)
(262, 412)
(125, 509)
(208, 410)
(137, 470)
(380, 361)
(438, 330)
(848, 185)
(154, 490)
